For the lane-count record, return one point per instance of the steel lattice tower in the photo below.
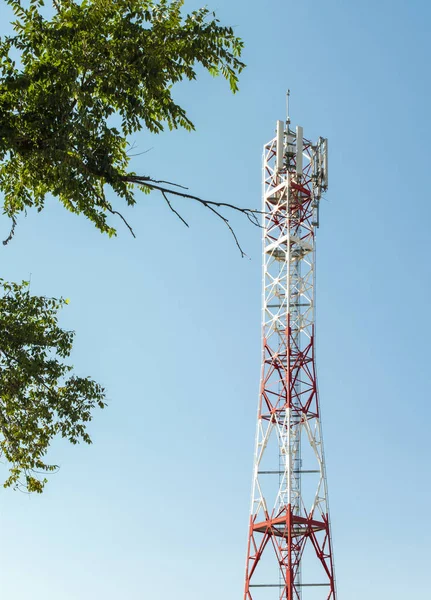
(289, 544)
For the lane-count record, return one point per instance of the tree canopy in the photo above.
(76, 80)
(76, 85)
(40, 397)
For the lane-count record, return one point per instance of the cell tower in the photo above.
(289, 552)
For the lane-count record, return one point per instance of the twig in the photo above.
(115, 212)
(106, 206)
(139, 153)
(173, 210)
(145, 180)
(228, 225)
(153, 184)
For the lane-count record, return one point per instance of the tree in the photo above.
(39, 397)
(74, 85)
(92, 62)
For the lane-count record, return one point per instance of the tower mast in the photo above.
(289, 546)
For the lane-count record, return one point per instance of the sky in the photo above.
(169, 323)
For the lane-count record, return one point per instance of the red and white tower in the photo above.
(289, 552)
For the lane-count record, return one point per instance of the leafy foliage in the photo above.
(73, 87)
(39, 397)
(92, 63)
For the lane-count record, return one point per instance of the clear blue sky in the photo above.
(170, 323)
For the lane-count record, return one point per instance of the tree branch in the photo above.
(173, 209)
(115, 212)
(154, 184)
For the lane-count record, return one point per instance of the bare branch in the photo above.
(107, 206)
(173, 209)
(115, 212)
(183, 187)
(145, 180)
(133, 146)
(252, 217)
(228, 225)
(154, 184)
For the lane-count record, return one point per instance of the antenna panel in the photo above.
(299, 149)
(279, 148)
